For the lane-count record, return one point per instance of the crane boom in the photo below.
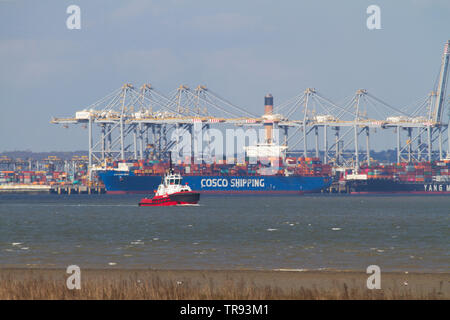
(440, 101)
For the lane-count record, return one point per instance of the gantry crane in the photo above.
(136, 123)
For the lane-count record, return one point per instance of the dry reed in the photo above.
(32, 285)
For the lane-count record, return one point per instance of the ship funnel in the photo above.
(268, 111)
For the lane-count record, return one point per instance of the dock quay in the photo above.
(337, 187)
(54, 189)
(77, 189)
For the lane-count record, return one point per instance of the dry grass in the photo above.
(133, 285)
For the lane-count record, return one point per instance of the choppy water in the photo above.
(227, 232)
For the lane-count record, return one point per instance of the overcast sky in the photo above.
(240, 49)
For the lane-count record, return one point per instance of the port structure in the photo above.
(135, 123)
(148, 116)
(49, 164)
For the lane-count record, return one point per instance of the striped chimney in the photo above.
(268, 110)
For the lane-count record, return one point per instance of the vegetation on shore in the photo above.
(152, 287)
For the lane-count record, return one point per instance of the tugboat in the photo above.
(171, 192)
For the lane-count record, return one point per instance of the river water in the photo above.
(398, 233)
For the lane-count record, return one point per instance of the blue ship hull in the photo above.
(126, 182)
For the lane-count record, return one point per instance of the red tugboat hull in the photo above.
(174, 199)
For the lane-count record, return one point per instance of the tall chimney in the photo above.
(268, 111)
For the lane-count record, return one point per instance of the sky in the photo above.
(240, 49)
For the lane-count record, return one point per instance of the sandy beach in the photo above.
(219, 284)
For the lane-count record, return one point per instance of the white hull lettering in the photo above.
(437, 188)
(233, 183)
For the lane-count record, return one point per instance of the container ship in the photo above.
(297, 176)
(417, 178)
(273, 173)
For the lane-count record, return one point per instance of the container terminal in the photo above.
(49, 175)
(310, 144)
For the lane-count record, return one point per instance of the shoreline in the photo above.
(110, 283)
